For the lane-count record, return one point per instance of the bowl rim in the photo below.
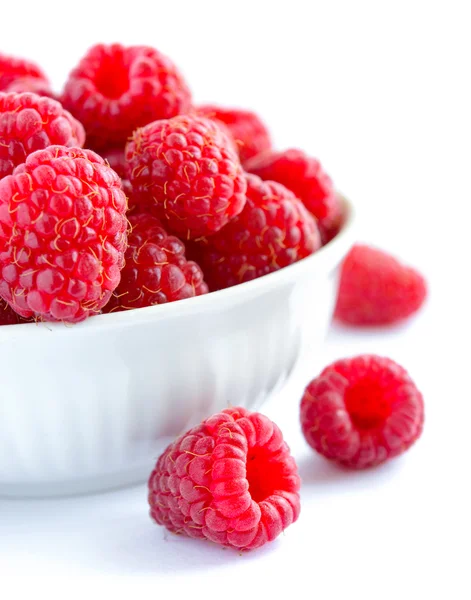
(326, 258)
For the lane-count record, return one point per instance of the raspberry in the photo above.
(362, 411)
(62, 234)
(273, 231)
(116, 160)
(376, 289)
(29, 122)
(186, 171)
(304, 176)
(230, 480)
(12, 68)
(156, 269)
(8, 316)
(115, 89)
(247, 129)
(41, 87)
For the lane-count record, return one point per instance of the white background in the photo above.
(380, 92)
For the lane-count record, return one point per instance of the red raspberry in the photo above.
(273, 231)
(41, 87)
(12, 68)
(115, 89)
(186, 171)
(362, 411)
(116, 160)
(376, 289)
(8, 316)
(156, 269)
(247, 129)
(304, 176)
(62, 234)
(29, 122)
(230, 480)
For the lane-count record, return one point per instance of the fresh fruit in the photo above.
(13, 68)
(62, 234)
(376, 289)
(116, 88)
(362, 411)
(247, 129)
(116, 160)
(41, 87)
(186, 172)
(273, 231)
(156, 270)
(8, 316)
(304, 176)
(230, 480)
(29, 122)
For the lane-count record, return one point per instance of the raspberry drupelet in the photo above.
(250, 134)
(185, 170)
(376, 289)
(156, 270)
(115, 89)
(29, 122)
(273, 231)
(362, 411)
(303, 175)
(231, 480)
(62, 234)
(13, 68)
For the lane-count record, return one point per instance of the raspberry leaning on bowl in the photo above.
(362, 411)
(13, 68)
(156, 270)
(186, 171)
(249, 132)
(376, 289)
(62, 234)
(273, 231)
(230, 480)
(304, 176)
(29, 122)
(116, 88)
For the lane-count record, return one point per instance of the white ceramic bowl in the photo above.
(90, 406)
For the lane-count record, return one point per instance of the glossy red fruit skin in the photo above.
(156, 269)
(29, 122)
(115, 89)
(376, 289)
(274, 230)
(186, 172)
(362, 411)
(250, 134)
(230, 480)
(63, 235)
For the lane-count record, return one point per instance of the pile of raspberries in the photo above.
(120, 193)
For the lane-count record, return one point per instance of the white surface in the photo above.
(380, 92)
(104, 398)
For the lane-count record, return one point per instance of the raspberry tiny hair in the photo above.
(185, 170)
(376, 289)
(156, 269)
(29, 122)
(115, 89)
(362, 411)
(13, 68)
(62, 234)
(274, 230)
(247, 129)
(306, 178)
(231, 480)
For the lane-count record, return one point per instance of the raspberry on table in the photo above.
(62, 234)
(362, 411)
(231, 480)
(29, 122)
(273, 231)
(247, 129)
(376, 289)
(156, 270)
(187, 173)
(115, 89)
(304, 176)
(13, 68)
